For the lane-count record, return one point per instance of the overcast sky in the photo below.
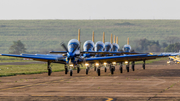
(89, 9)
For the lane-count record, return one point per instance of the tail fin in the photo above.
(79, 35)
(117, 40)
(114, 39)
(127, 41)
(93, 36)
(103, 37)
(111, 38)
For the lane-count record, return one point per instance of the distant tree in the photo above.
(173, 47)
(17, 47)
(164, 44)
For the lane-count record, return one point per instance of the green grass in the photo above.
(45, 35)
(151, 61)
(4, 59)
(11, 70)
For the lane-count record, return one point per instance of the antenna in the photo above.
(103, 37)
(127, 41)
(114, 39)
(111, 38)
(117, 40)
(93, 36)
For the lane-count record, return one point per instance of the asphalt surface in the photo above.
(158, 82)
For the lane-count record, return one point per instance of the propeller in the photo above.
(63, 45)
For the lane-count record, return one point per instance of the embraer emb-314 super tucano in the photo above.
(104, 55)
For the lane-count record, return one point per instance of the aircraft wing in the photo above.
(123, 58)
(40, 57)
(58, 52)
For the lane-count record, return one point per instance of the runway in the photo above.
(158, 82)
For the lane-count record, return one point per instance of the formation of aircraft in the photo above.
(99, 55)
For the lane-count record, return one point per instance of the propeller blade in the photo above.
(74, 49)
(63, 45)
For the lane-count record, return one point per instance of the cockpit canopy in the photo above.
(72, 44)
(115, 47)
(99, 46)
(108, 46)
(88, 45)
(127, 48)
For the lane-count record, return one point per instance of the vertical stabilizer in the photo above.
(79, 35)
(114, 41)
(127, 41)
(111, 38)
(93, 36)
(103, 37)
(117, 40)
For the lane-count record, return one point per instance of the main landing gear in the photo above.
(49, 68)
(78, 69)
(143, 64)
(133, 63)
(66, 69)
(99, 71)
(121, 67)
(112, 69)
(87, 70)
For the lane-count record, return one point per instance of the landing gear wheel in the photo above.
(78, 69)
(87, 71)
(127, 68)
(95, 68)
(121, 69)
(71, 72)
(105, 69)
(112, 70)
(49, 72)
(98, 71)
(66, 70)
(132, 67)
(143, 66)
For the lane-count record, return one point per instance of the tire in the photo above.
(95, 68)
(143, 66)
(105, 69)
(99, 72)
(132, 67)
(127, 68)
(112, 70)
(87, 71)
(49, 72)
(78, 69)
(66, 70)
(71, 72)
(121, 69)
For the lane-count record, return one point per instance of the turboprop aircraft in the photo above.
(72, 58)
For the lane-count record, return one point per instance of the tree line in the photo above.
(141, 45)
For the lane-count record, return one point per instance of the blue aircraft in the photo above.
(71, 57)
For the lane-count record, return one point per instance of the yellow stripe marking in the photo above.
(109, 99)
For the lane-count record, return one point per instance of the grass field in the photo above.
(11, 70)
(46, 35)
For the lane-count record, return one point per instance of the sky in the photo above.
(89, 9)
